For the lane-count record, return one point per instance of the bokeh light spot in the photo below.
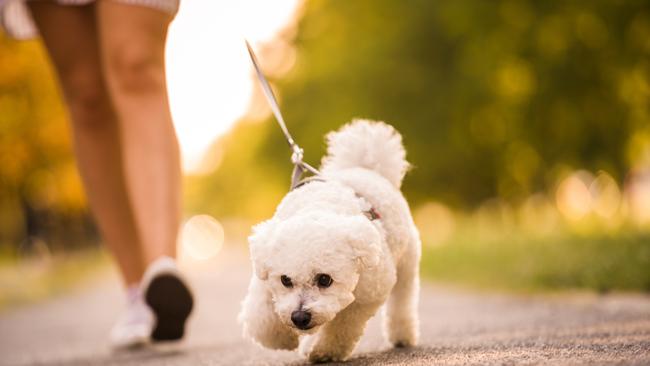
(573, 196)
(202, 237)
(515, 80)
(606, 195)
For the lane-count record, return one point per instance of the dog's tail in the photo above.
(367, 144)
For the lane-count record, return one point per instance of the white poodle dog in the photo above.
(338, 247)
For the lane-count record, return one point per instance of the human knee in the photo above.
(134, 68)
(85, 94)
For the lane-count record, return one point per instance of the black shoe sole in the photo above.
(172, 302)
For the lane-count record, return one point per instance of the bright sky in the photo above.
(208, 68)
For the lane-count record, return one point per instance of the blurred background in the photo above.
(527, 123)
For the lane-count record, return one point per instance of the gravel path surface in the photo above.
(458, 328)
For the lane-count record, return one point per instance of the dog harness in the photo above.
(371, 214)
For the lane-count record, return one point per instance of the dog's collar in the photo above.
(371, 213)
(304, 181)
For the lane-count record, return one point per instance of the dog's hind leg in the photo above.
(336, 341)
(261, 322)
(401, 323)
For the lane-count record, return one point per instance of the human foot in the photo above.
(170, 298)
(134, 327)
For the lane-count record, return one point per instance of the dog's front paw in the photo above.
(317, 356)
(327, 352)
(306, 345)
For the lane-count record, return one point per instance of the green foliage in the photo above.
(493, 98)
(39, 277)
(40, 191)
(519, 262)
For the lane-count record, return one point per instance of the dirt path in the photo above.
(458, 327)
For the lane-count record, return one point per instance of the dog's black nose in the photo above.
(301, 319)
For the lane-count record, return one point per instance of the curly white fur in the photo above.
(367, 144)
(320, 228)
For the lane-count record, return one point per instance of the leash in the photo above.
(299, 166)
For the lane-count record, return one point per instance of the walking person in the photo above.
(109, 59)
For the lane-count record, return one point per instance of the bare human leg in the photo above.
(70, 36)
(132, 41)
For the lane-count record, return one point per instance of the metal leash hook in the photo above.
(299, 166)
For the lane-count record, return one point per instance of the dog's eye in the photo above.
(323, 280)
(286, 281)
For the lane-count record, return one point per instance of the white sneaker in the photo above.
(134, 327)
(170, 298)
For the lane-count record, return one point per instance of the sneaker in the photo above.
(134, 327)
(169, 297)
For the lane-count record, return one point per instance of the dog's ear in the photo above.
(259, 243)
(365, 240)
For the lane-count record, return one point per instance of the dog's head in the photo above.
(311, 264)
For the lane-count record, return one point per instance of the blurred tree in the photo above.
(493, 98)
(40, 192)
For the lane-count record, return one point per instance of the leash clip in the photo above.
(297, 155)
